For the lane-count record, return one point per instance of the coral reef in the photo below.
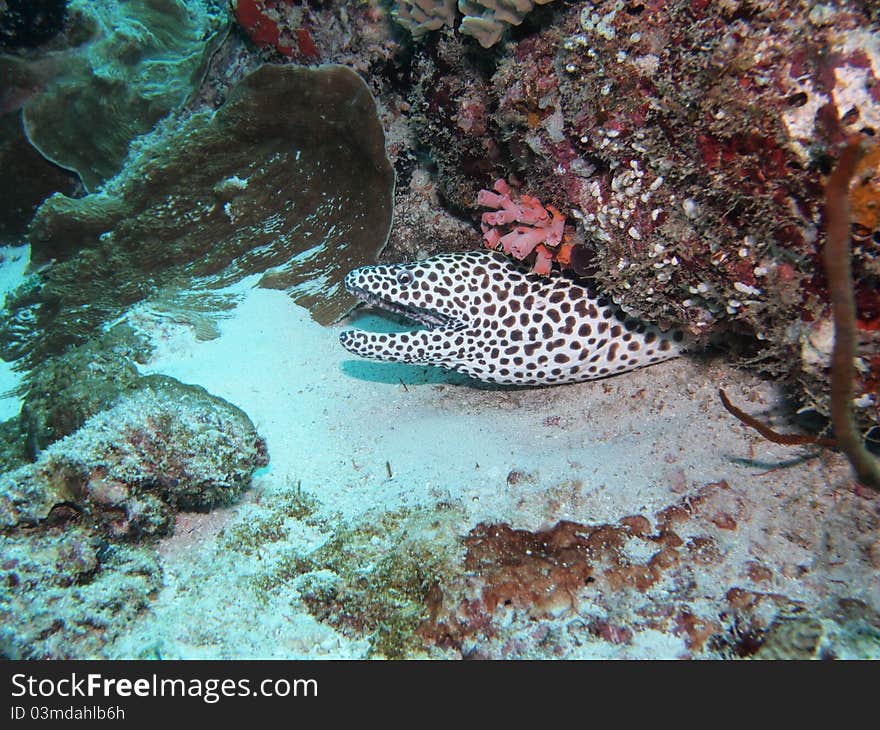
(704, 575)
(688, 145)
(13, 445)
(451, 120)
(164, 447)
(300, 198)
(421, 225)
(405, 554)
(695, 181)
(792, 639)
(74, 552)
(126, 66)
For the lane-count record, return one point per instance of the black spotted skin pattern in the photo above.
(488, 317)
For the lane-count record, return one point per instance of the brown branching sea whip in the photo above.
(836, 256)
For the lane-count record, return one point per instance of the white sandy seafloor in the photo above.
(592, 453)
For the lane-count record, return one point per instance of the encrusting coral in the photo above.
(267, 24)
(127, 66)
(76, 525)
(300, 195)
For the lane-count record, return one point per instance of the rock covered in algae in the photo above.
(289, 179)
(78, 525)
(167, 446)
(64, 391)
(128, 65)
(65, 592)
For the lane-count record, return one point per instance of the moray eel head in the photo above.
(486, 316)
(438, 295)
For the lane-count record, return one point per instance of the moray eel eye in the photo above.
(404, 278)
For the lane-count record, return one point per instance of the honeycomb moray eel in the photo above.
(488, 317)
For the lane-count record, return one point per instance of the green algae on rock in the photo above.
(288, 179)
(167, 446)
(377, 577)
(142, 59)
(65, 592)
(65, 390)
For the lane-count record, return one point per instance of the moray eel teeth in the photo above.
(432, 319)
(489, 318)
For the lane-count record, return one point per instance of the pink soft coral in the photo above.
(540, 229)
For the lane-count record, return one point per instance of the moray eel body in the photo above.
(488, 317)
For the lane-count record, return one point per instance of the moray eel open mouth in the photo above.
(429, 318)
(486, 316)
